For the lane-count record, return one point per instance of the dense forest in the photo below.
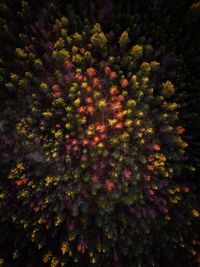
(99, 133)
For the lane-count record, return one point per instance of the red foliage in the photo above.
(109, 185)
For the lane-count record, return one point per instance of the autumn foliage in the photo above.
(96, 164)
